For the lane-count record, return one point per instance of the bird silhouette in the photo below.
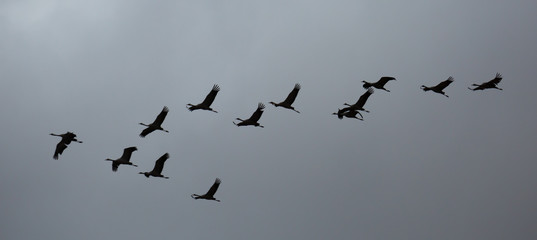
(67, 138)
(439, 88)
(124, 159)
(253, 119)
(156, 125)
(210, 194)
(289, 100)
(490, 84)
(349, 114)
(206, 104)
(359, 105)
(379, 84)
(157, 170)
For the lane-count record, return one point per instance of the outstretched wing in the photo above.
(383, 80)
(444, 84)
(292, 95)
(127, 152)
(159, 164)
(213, 188)
(115, 165)
(59, 149)
(257, 114)
(497, 79)
(361, 101)
(146, 131)
(160, 118)
(210, 97)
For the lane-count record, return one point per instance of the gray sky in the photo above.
(421, 166)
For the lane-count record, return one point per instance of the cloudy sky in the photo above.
(420, 166)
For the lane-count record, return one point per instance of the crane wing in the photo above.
(115, 165)
(161, 116)
(146, 131)
(59, 149)
(444, 84)
(127, 152)
(159, 164)
(292, 95)
(383, 80)
(213, 188)
(210, 97)
(497, 79)
(361, 101)
(257, 114)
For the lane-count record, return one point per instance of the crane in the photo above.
(253, 119)
(359, 105)
(210, 194)
(490, 84)
(124, 159)
(67, 138)
(439, 88)
(379, 84)
(206, 104)
(289, 100)
(157, 170)
(348, 114)
(156, 125)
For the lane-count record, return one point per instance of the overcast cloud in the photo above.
(420, 166)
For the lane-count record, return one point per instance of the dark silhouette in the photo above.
(206, 104)
(289, 100)
(490, 84)
(156, 125)
(253, 119)
(359, 105)
(440, 87)
(124, 159)
(210, 194)
(67, 138)
(379, 84)
(349, 114)
(159, 164)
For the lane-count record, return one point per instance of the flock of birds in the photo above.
(350, 111)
